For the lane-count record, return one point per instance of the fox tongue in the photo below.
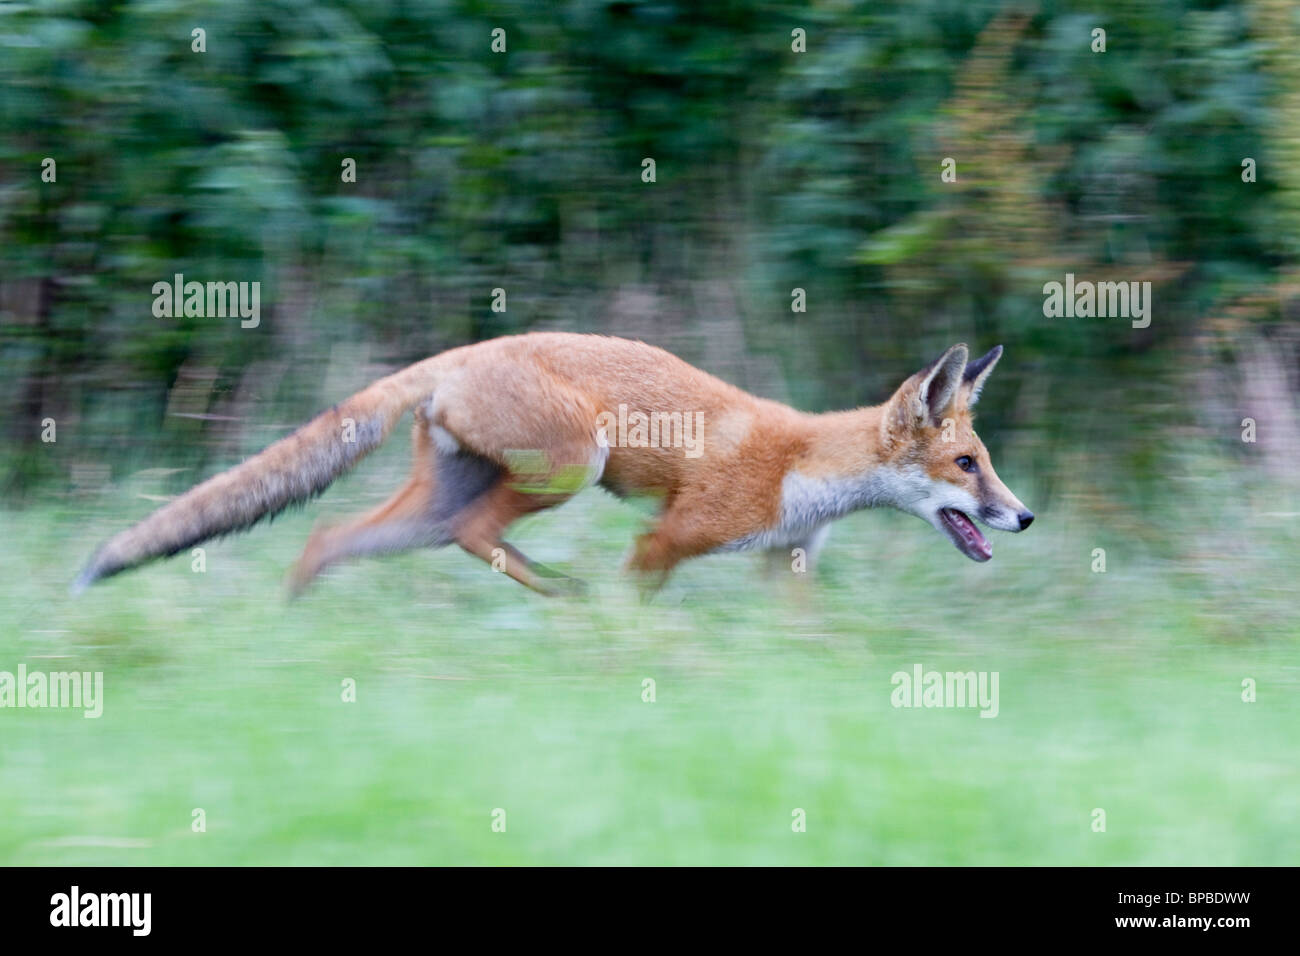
(966, 536)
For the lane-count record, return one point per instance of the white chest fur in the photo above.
(809, 503)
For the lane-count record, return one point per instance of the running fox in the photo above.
(513, 425)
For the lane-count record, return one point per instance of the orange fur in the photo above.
(514, 425)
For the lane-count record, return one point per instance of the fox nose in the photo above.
(1026, 519)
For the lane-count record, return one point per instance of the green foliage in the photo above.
(521, 170)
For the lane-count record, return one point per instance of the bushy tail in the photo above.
(291, 470)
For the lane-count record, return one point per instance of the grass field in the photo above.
(1120, 691)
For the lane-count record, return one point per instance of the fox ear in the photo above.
(977, 373)
(939, 383)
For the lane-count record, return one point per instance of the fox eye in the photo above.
(966, 463)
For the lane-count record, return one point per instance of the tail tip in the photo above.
(88, 576)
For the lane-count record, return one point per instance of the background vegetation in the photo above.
(776, 170)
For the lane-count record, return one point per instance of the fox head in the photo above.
(940, 470)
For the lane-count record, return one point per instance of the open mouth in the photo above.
(965, 535)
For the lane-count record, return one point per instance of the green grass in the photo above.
(1119, 691)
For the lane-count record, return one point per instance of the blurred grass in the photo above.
(1119, 690)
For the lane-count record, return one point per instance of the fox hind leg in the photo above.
(537, 480)
(467, 499)
(532, 482)
(400, 523)
(479, 527)
(547, 452)
(475, 475)
(420, 514)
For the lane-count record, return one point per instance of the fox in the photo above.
(514, 425)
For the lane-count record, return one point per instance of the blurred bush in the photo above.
(522, 170)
